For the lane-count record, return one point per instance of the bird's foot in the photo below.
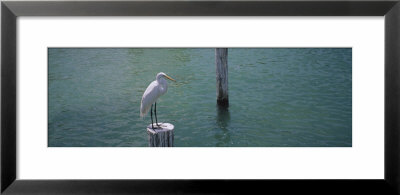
(158, 125)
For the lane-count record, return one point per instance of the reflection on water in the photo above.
(223, 118)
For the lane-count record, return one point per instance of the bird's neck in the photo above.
(163, 85)
(161, 81)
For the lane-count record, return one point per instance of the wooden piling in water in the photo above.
(221, 65)
(161, 137)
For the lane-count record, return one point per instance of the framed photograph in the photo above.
(290, 96)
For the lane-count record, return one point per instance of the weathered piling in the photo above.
(221, 65)
(162, 136)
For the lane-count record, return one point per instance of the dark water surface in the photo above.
(278, 97)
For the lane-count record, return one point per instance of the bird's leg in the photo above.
(151, 115)
(155, 113)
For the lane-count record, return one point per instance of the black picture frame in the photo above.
(10, 10)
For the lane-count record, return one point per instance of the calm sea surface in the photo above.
(278, 97)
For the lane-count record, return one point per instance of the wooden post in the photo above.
(221, 65)
(162, 136)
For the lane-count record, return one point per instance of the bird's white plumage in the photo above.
(156, 89)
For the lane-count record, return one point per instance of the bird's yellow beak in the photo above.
(168, 77)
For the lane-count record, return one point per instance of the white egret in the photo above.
(156, 89)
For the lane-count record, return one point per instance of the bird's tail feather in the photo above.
(142, 114)
(143, 111)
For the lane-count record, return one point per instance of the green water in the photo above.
(278, 97)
